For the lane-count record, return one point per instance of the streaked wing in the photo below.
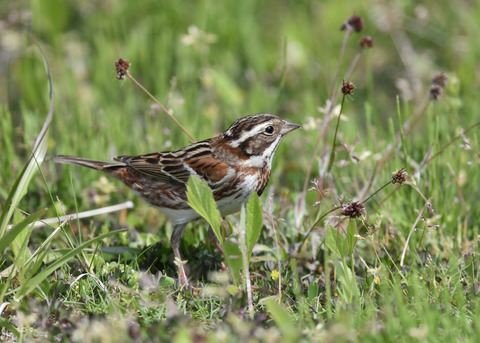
(165, 167)
(176, 166)
(212, 170)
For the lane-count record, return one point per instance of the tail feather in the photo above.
(85, 162)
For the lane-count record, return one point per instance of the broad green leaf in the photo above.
(254, 222)
(233, 257)
(259, 248)
(335, 241)
(233, 290)
(351, 239)
(28, 286)
(312, 292)
(346, 278)
(200, 198)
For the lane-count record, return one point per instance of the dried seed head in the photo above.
(122, 65)
(354, 23)
(317, 186)
(435, 91)
(353, 210)
(400, 177)
(366, 42)
(440, 80)
(430, 209)
(347, 87)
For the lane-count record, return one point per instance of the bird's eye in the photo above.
(269, 130)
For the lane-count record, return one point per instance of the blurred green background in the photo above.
(212, 62)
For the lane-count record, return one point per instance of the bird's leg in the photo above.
(175, 242)
(215, 241)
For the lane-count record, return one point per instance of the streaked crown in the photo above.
(258, 134)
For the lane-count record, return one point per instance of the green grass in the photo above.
(343, 281)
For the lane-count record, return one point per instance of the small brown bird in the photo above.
(234, 164)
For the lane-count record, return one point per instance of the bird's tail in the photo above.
(85, 162)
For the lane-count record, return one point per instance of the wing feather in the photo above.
(175, 166)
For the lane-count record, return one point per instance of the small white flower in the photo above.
(335, 111)
(312, 123)
(198, 39)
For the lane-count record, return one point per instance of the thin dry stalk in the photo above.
(332, 153)
(122, 69)
(307, 234)
(82, 215)
(408, 129)
(431, 158)
(333, 98)
(420, 214)
(348, 32)
(442, 149)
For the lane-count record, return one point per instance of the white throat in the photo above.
(265, 159)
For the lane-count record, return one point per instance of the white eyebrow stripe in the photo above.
(249, 134)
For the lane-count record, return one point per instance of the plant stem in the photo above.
(451, 142)
(333, 99)
(161, 106)
(313, 226)
(378, 190)
(340, 57)
(332, 153)
(410, 234)
(246, 269)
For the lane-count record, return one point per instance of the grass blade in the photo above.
(9, 326)
(30, 285)
(38, 154)
(12, 234)
(47, 242)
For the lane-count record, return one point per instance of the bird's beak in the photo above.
(287, 127)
